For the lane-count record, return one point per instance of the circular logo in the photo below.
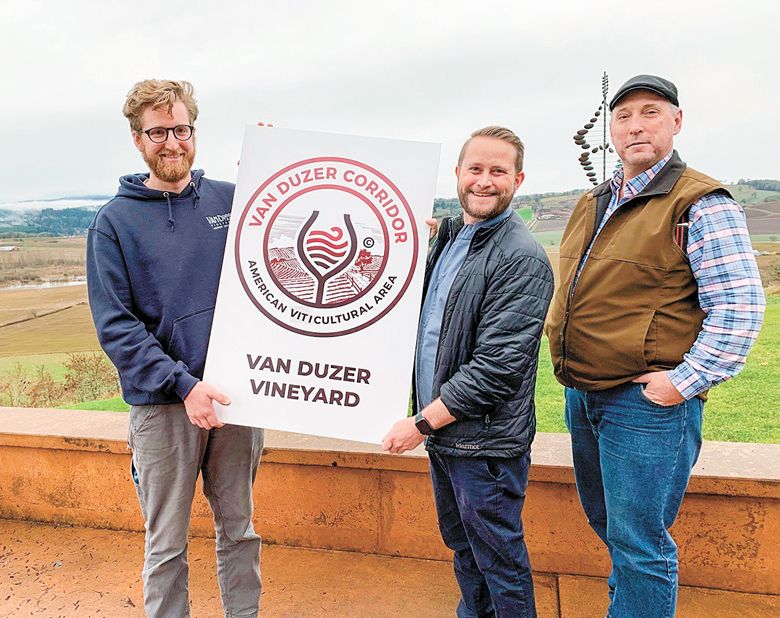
(326, 246)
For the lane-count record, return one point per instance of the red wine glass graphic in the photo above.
(326, 253)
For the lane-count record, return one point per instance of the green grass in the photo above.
(549, 395)
(741, 410)
(744, 409)
(525, 213)
(548, 239)
(108, 405)
(745, 194)
(55, 363)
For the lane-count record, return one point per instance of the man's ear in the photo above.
(519, 178)
(678, 121)
(137, 137)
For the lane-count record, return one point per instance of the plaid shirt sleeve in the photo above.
(730, 293)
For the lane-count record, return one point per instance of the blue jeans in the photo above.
(479, 501)
(632, 462)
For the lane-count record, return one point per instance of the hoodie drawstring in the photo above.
(197, 195)
(170, 210)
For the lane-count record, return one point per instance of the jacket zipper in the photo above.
(564, 360)
(428, 270)
(445, 326)
(577, 276)
(443, 331)
(569, 298)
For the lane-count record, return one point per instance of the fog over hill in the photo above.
(57, 203)
(71, 215)
(65, 216)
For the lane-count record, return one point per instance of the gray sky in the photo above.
(423, 70)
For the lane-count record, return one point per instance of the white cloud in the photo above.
(431, 71)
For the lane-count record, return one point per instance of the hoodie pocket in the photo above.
(190, 340)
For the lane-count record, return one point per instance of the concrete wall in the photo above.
(72, 467)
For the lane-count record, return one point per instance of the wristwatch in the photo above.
(423, 426)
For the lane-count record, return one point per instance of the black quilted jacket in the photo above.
(489, 342)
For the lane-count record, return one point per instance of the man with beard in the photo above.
(154, 255)
(487, 288)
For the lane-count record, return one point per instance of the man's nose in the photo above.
(171, 143)
(484, 179)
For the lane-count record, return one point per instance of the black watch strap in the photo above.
(423, 426)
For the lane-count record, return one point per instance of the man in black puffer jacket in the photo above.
(487, 288)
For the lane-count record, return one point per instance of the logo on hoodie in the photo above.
(219, 222)
(326, 246)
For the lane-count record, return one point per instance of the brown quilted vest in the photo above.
(634, 307)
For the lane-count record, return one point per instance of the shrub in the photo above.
(90, 376)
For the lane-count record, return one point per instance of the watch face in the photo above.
(423, 426)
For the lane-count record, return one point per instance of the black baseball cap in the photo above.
(653, 83)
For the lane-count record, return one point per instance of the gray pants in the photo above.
(168, 454)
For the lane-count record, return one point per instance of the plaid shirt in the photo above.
(730, 291)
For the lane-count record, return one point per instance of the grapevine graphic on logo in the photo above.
(326, 246)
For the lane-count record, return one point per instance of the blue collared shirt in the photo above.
(447, 267)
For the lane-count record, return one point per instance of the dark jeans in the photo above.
(479, 501)
(632, 462)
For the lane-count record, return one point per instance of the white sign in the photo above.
(319, 298)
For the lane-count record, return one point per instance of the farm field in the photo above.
(742, 410)
(52, 322)
(43, 258)
(21, 304)
(69, 330)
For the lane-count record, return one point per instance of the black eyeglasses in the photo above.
(181, 132)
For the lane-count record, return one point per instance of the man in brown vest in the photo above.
(660, 300)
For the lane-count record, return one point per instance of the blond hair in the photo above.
(502, 133)
(158, 93)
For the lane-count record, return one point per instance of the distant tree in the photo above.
(446, 206)
(762, 184)
(58, 222)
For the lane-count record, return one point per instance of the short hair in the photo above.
(158, 93)
(502, 133)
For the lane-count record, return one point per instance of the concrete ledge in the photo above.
(66, 466)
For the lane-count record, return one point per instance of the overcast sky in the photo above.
(430, 71)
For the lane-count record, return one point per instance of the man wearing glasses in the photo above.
(154, 255)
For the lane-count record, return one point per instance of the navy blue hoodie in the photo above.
(153, 265)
